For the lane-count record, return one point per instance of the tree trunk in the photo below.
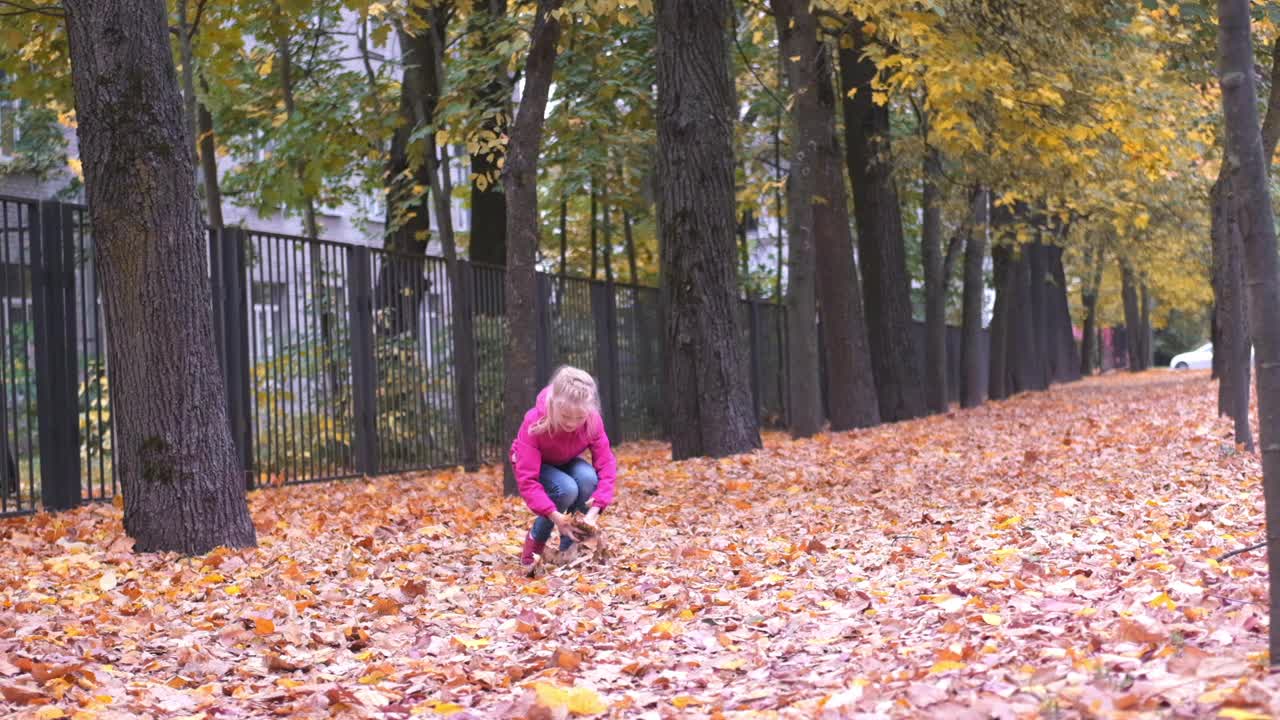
(851, 388)
(1041, 323)
(998, 386)
(1026, 359)
(564, 239)
(488, 199)
(209, 163)
(182, 485)
(798, 33)
(1144, 305)
(1132, 318)
(1093, 260)
(595, 231)
(520, 179)
(974, 299)
(463, 331)
(935, 284)
(744, 254)
(1251, 202)
(630, 241)
(708, 393)
(606, 232)
(401, 286)
(881, 251)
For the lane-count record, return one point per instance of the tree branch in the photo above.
(20, 9)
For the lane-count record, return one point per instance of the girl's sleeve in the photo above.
(606, 466)
(526, 462)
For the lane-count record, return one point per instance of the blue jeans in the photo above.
(570, 487)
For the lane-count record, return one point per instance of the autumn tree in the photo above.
(881, 250)
(708, 395)
(183, 489)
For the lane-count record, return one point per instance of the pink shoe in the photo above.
(531, 547)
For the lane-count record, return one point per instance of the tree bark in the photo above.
(1026, 359)
(935, 287)
(798, 34)
(708, 394)
(629, 239)
(209, 163)
(881, 250)
(1041, 324)
(489, 200)
(1144, 308)
(1093, 261)
(974, 299)
(851, 388)
(606, 231)
(998, 385)
(564, 238)
(1251, 202)
(595, 231)
(520, 178)
(1064, 363)
(182, 487)
(1132, 318)
(400, 286)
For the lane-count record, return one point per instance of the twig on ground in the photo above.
(1242, 551)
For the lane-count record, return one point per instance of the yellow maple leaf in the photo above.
(1163, 600)
(577, 700)
(946, 665)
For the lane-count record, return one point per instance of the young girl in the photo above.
(553, 480)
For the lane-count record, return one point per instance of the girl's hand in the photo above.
(592, 516)
(565, 526)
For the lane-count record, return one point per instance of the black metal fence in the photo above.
(339, 359)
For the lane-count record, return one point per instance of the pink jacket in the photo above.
(529, 452)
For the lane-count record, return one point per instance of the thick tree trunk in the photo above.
(1064, 363)
(520, 178)
(1026, 358)
(974, 298)
(935, 285)
(1132, 318)
(1093, 260)
(798, 33)
(488, 198)
(1251, 202)
(882, 254)
(183, 489)
(708, 394)
(851, 387)
(744, 254)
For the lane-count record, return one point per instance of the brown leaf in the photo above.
(23, 695)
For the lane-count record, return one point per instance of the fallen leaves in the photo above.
(949, 567)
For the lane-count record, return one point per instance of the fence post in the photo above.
(753, 318)
(57, 382)
(604, 313)
(228, 249)
(467, 372)
(363, 366)
(543, 349)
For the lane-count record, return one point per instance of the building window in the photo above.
(269, 317)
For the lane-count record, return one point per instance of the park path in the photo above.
(1047, 556)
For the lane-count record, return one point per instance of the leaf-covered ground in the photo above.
(1048, 556)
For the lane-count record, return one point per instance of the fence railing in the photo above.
(340, 360)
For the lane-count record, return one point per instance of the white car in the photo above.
(1199, 359)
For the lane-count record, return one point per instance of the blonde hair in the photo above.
(570, 387)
